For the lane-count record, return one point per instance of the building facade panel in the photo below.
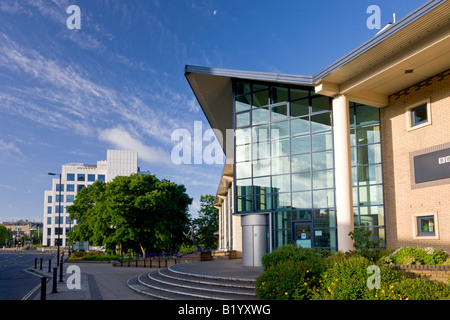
(408, 202)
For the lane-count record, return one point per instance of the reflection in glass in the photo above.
(320, 103)
(260, 98)
(261, 150)
(244, 187)
(370, 174)
(262, 185)
(281, 183)
(368, 134)
(323, 179)
(301, 200)
(243, 136)
(260, 115)
(243, 119)
(322, 141)
(323, 198)
(281, 220)
(322, 160)
(369, 154)
(260, 133)
(244, 204)
(370, 195)
(301, 181)
(261, 167)
(299, 108)
(243, 103)
(279, 94)
(282, 201)
(301, 144)
(280, 165)
(280, 148)
(301, 163)
(321, 122)
(243, 153)
(279, 112)
(299, 126)
(279, 130)
(243, 170)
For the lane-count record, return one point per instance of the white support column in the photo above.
(343, 172)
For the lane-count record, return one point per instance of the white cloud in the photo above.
(122, 139)
(7, 147)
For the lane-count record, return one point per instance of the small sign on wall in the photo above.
(432, 166)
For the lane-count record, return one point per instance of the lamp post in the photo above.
(59, 216)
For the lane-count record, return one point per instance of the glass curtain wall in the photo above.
(367, 170)
(284, 160)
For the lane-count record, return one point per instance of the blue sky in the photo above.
(118, 82)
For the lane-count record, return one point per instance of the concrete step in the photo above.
(166, 284)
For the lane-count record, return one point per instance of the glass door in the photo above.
(303, 234)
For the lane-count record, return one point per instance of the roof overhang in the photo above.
(411, 50)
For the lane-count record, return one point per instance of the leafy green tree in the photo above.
(207, 223)
(5, 235)
(136, 212)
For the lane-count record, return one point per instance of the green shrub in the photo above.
(420, 288)
(290, 280)
(292, 253)
(409, 255)
(347, 279)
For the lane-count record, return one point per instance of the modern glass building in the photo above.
(362, 143)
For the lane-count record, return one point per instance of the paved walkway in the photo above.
(102, 281)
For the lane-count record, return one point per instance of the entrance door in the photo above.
(303, 234)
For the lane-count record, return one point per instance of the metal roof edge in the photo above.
(252, 75)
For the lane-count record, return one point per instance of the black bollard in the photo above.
(35, 263)
(43, 288)
(40, 264)
(49, 265)
(61, 272)
(55, 275)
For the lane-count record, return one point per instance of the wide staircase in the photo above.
(174, 283)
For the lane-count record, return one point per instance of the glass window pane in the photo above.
(261, 150)
(301, 181)
(324, 218)
(243, 103)
(321, 122)
(299, 126)
(241, 88)
(320, 103)
(101, 177)
(368, 134)
(243, 153)
(261, 168)
(243, 136)
(323, 198)
(299, 94)
(262, 202)
(262, 185)
(301, 163)
(426, 226)
(243, 170)
(419, 115)
(280, 165)
(325, 238)
(80, 177)
(372, 195)
(279, 112)
(261, 133)
(369, 154)
(299, 108)
(244, 204)
(323, 179)
(279, 130)
(322, 160)
(281, 220)
(282, 201)
(371, 216)
(281, 183)
(281, 238)
(70, 177)
(301, 200)
(302, 215)
(352, 137)
(91, 177)
(260, 115)
(260, 98)
(301, 144)
(370, 174)
(244, 187)
(367, 114)
(243, 119)
(352, 115)
(279, 94)
(322, 141)
(280, 148)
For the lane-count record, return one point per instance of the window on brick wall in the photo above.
(425, 226)
(418, 115)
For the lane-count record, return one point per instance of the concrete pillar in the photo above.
(253, 239)
(343, 172)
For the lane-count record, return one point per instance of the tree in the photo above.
(207, 223)
(136, 212)
(5, 234)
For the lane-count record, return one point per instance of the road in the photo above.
(15, 282)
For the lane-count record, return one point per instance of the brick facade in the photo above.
(405, 199)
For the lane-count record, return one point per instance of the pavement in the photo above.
(102, 281)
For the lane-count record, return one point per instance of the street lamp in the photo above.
(59, 215)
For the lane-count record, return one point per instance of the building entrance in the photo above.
(302, 232)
